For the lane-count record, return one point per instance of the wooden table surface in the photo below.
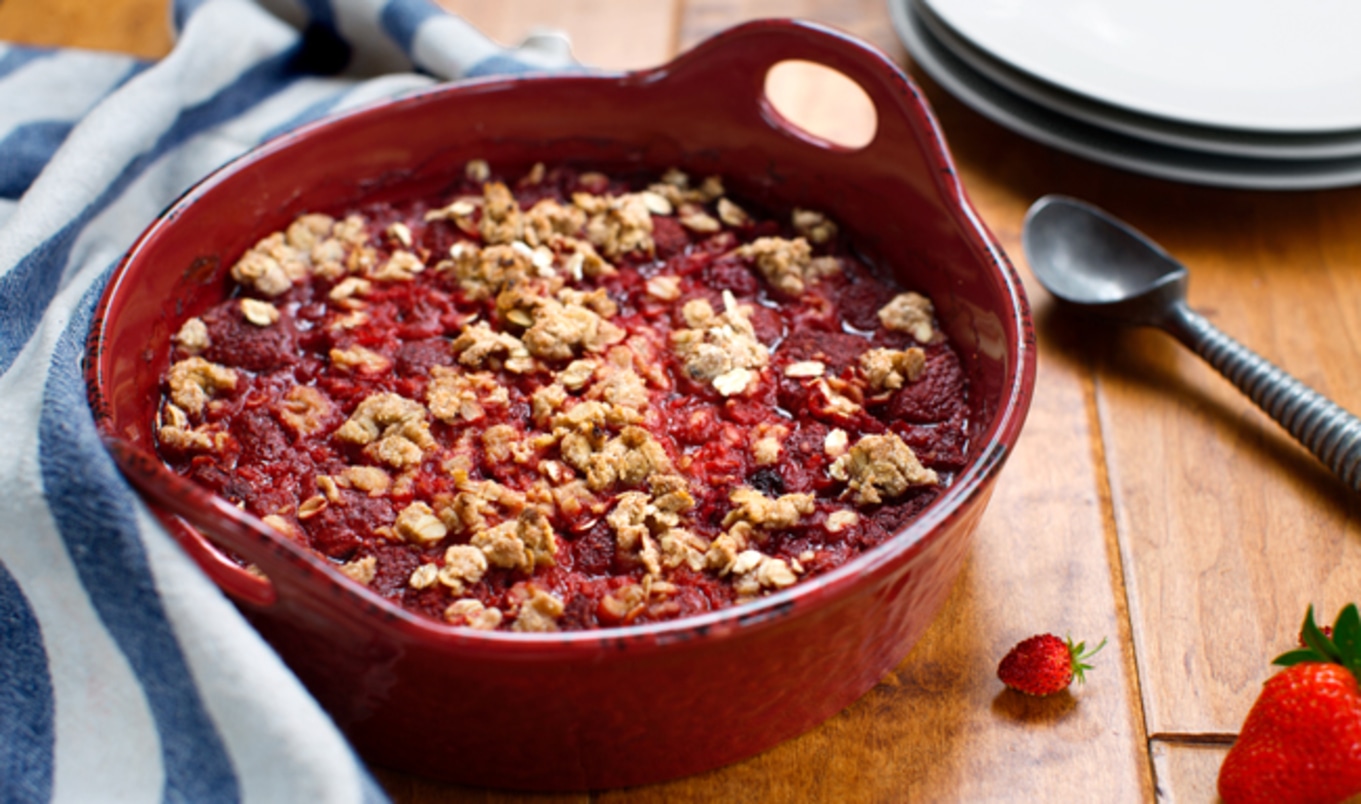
(1147, 502)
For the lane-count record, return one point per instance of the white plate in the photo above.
(1264, 65)
(1229, 142)
(1100, 144)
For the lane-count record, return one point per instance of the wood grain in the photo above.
(1231, 529)
(1147, 501)
(605, 33)
(138, 27)
(867, 19)
(1187, 772)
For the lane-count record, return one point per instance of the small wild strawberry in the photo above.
(1045, 664)
(1301, 742)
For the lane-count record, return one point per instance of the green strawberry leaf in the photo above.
(1347, 638)
(1316, 639)
(1347, 631)
(1297, 656)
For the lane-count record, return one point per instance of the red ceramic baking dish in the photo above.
(621, 706)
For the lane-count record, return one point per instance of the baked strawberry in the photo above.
(1301, 742)
(1045, 664)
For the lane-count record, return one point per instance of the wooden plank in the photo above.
(942, 728)
(605, 33)
(1230, 529)
(867, 19)
(1187, 772)
(138, 27)
(1227, 529)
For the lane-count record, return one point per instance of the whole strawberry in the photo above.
(1045, 664)
(1301, 742)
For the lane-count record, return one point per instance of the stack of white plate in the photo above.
(1232, 93)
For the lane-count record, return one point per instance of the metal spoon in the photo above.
(1087, 258)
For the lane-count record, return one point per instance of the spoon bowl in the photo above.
(1085, 257)
(1089, 259)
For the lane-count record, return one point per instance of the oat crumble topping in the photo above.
(192, 337)
(538, 613)
(891, 369)
(176, 432)
(720, 349)
(880, 466)
(911, 313)
(362, 570)
(566, 400)
(194, 381)
(814, 225)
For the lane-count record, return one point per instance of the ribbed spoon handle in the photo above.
(1324, 428)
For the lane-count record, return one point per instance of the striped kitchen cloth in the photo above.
(124, 674)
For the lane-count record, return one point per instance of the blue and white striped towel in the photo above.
(124, 674)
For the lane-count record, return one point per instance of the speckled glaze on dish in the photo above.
(613, 707)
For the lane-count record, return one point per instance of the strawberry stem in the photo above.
(1079, 656)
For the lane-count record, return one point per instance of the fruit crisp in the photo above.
(570, 400)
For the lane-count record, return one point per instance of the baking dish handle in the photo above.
(285, 564)
(729, 72)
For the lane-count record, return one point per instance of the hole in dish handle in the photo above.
(729, 71)
(819, 105)
(218, 520)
